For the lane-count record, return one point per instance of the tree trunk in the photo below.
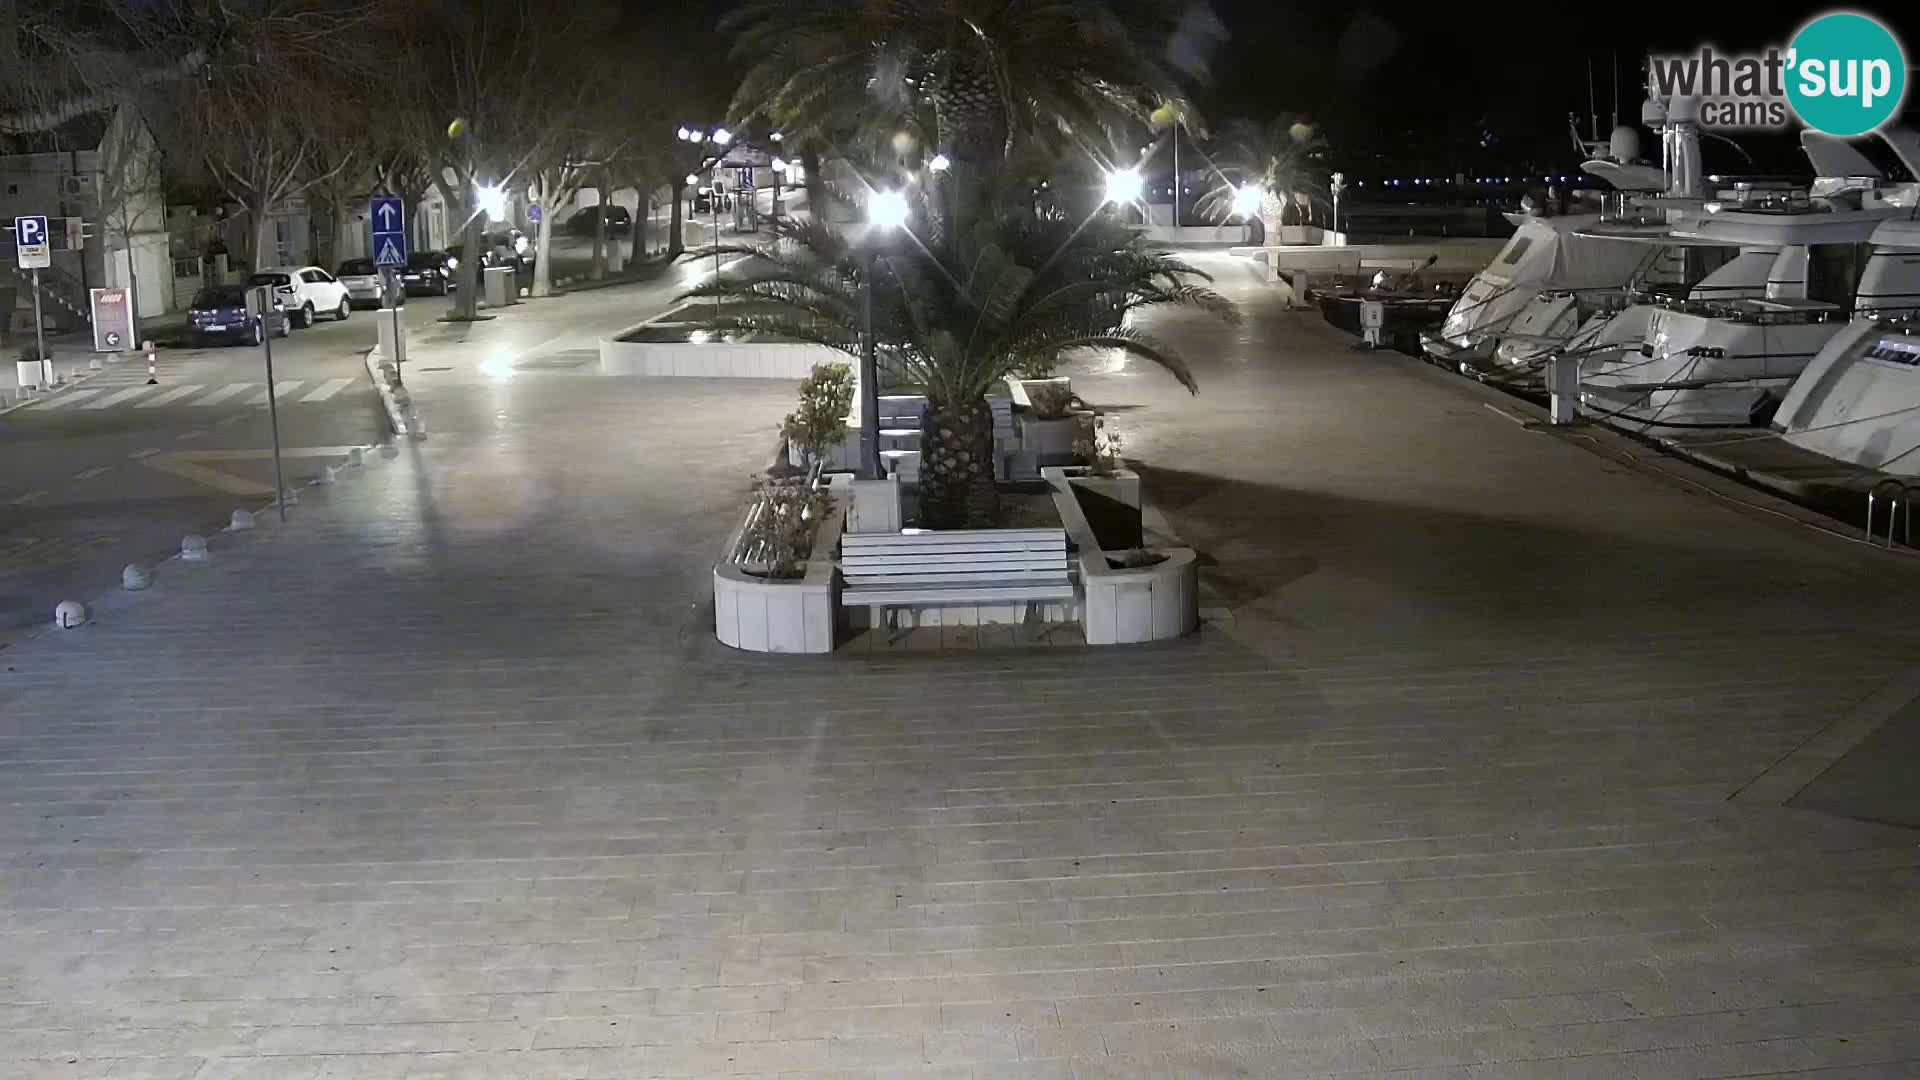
(956, 466)
(676, 228)
(816, 184)
(543, 247)
(133, 289)
(264, 253)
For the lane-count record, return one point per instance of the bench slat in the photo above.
(956, 550)
(971, 559)
(941, 535)
(934, 596)
(937, 578)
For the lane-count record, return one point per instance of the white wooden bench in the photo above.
(953, 567)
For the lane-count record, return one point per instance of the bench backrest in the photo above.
(953, 557)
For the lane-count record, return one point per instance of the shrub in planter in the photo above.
(1135, 559)
(820, 423)
(1099, 448)
(1050, 400)
(781, 519)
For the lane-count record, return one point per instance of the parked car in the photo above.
(218, 314)
(428, 273)
(619, 221)
(305, 291)
(363, 281)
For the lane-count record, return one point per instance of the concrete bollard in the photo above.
(325, 477)
(135, 577)
(94, 364)
(291, 497)
(357, 456)
(193, 548)
(241, 521)
(69, 614)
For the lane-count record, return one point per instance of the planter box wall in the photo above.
(714, 360)
(789, 615)
(1123, 606)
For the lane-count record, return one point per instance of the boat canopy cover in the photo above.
(1627, 177)
(1541, 255)
(1832, 156)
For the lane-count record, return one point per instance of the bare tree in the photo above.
(130, 204)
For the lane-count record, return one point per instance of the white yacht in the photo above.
(1728, 358)
(1546, 254)
(1858, 401)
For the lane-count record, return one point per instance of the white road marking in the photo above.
(29, 497)
(194, 434)
(143, 453)
(220, 395)
(88, 474)
(280, 390)
(236, 418)
(174, 394)
(327, 389)
(61, 401)
(111, 400)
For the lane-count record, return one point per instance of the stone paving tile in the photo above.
(466, 789)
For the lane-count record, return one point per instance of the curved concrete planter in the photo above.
(709, 359)
(783, 615)
(1121, 606)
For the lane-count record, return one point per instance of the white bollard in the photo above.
(1563, 384)
(93, 363)
(135, 577)
(357, 456)
(291, 496)
(69, 614)
(325, 477)
(241, 521)
(193, 548)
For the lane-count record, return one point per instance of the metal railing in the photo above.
(1899, 497)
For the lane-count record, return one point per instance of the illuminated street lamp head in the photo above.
(1246, 200)
(887, 209)
(685, 134)
(775, 136)
(492, 200)
(779, 165)
(692, 180)
(696, 136)
(939, 163)
(1124, 185)
(722, 136)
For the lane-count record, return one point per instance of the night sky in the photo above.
(1415, 88)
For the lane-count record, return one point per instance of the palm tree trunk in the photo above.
(816, 184)
(956, 466)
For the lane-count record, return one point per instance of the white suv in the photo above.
(306, 292)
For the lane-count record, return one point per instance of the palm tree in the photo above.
(959, 316)
(982, 72)
(1282, 158)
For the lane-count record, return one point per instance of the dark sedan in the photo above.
(219, 315)
(428, 273)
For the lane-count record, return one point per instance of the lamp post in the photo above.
(779, 167)
(886, 211)
(1337, 185)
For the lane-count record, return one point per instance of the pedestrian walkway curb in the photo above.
(71, 381)
(402, 419)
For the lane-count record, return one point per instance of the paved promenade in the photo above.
(1481, 773)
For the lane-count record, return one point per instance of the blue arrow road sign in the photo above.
(388, 216)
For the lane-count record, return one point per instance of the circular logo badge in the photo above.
(1846, 74)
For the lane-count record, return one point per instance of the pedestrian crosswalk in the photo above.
(194, 395)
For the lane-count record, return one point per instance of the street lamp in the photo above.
(886, 211)
(939, 163)
(1124, 185)
(721, 136)
(1337, 185)
(779, 167)
(1246, 200)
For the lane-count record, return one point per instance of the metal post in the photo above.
(273, 406)
(713, 204)
(869, 384)
(40, 336)
(399, 321)
(1176, 176)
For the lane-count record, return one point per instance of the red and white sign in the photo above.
(112, 320)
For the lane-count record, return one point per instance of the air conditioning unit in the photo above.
(75, 187)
